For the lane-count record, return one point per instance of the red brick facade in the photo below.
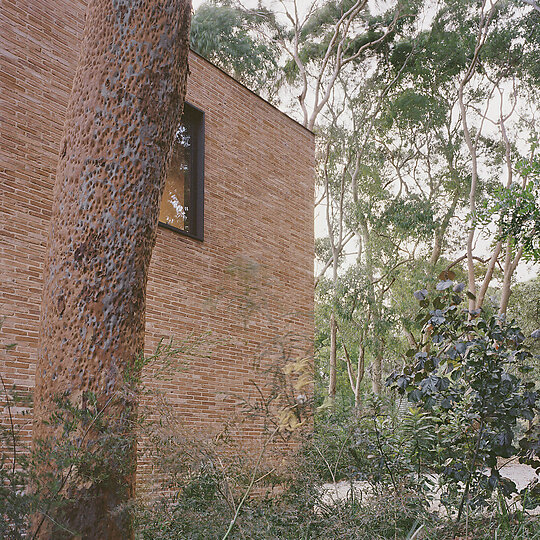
(244, 294)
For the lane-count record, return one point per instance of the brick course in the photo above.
(241, 294)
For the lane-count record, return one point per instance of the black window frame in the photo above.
(196, 196)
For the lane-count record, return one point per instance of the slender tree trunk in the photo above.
(510, 264)
(375, 309)
(356, 379)
(125, 106)
(410, 338)
(472, 144)
(507, 279)
(472, 203)
(441, 230)
(509, 270)
(333, 358)
(479, 302)
(437, 248)
(359, 375)
(332, 384)
(376, 373)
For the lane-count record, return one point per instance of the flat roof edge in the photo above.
(251, 91)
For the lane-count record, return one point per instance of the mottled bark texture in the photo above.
(125, 105)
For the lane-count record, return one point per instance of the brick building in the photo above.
(231, 278)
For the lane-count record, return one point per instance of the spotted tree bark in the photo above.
(125, 105)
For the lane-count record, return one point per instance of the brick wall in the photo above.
(238, 301)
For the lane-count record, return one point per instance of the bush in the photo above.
(467, 375)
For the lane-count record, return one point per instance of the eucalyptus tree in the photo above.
(384, 188)
(122, 116)
(499, 75)
(420, 131)
(234, 39)
(428, 169)
(334, 50)
(331, 40)
(481, 89)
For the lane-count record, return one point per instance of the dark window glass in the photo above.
(182, 203)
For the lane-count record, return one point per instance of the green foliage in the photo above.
(419, 429)
(365, 39)
(324, 18)
(225, 35)
(525, 307)
(202, 503)
(412, 108)
(516, 210)
(467, 374)
(16, 501)
(91, 450)
(323, 250)
(410, 217)
(531, 53)
(377, 446)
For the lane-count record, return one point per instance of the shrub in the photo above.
(467, 375)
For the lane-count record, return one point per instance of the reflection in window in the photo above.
(175, 204)
(183, 196)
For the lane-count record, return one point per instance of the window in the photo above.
(182, 205)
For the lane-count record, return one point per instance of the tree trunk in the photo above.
(437, 249)
(375, 309)
(359, 375)
(488, 276)
(410, 337)
(333, 358)
(332, 383)
(510, 266)
(125, 106)
(443, 227)
(376, 374)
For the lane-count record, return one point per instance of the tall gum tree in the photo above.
(122, 115)
(506, 77)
